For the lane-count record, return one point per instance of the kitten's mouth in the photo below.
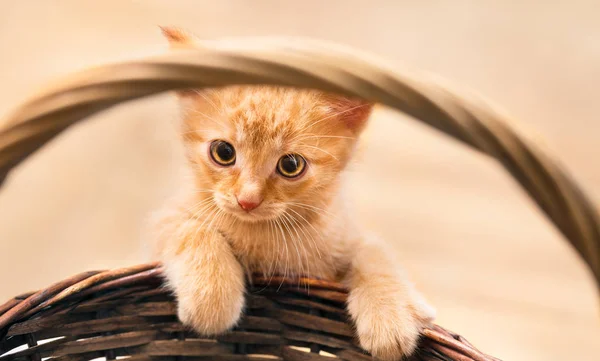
(261, 213)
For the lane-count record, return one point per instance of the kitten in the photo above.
(268, 165)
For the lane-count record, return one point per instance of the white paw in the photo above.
(211, 317)
(391, 332)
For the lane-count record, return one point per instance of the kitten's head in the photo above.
(260, 152)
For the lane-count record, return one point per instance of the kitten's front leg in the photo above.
(389, 314)
(206, 277)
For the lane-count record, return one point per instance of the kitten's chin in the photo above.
(254, 216)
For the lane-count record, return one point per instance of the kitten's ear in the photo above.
(180, 39)
(354, 112)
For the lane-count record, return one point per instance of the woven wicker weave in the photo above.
(127, 313)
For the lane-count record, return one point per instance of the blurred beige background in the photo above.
(495, 268)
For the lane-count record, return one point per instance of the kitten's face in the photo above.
(262, 153)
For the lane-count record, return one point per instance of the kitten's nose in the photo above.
(248, 204)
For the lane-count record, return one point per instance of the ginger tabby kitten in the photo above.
(268, 165)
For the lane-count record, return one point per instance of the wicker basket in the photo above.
(127, 312)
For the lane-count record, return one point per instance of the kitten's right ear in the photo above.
(353, 112)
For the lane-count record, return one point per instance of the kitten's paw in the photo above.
(392, 332)
(213, 316)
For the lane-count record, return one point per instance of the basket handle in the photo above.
(317, 65)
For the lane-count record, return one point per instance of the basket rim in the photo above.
(30, 305)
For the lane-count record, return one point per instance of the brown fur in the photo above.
(302, 226)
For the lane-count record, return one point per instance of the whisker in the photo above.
(296, 241)
(212, 209)
(316, 136)
(314, 209)
(200, 205)
(202, 191)
(289, 233)
(207, 99)
(204, 115)
(316, 248)
(270, 238)
(322, 150)
(202, 208)
(274, 257)
(286, 253)
(295, 221)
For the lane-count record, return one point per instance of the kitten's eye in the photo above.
(222, 152)
(291, 165)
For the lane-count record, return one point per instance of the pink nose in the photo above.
(248, 205)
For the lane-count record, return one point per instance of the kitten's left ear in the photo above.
(354, 112)
(181, 39)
